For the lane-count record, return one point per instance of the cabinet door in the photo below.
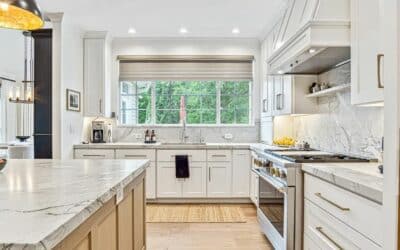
(151, 181)
(366, 34)
(94, 77)
(139, 218)
(277, 95)
(196, 185)
(105, 233)
(241, 166)
(267, 101)
(287, 96)
(219, 179)
(125, 223)
(168, 186)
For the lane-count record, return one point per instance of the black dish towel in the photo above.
(181, 166)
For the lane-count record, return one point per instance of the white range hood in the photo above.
(318, 42)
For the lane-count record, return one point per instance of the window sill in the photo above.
(189, 126)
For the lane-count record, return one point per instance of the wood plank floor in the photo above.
(208, 236)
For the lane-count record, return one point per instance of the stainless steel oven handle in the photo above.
(281, 187)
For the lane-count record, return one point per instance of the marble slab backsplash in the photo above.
(174, 133)
(339, 126)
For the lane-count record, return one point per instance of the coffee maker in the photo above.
(98, 132)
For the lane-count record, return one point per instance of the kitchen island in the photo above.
(73, 204)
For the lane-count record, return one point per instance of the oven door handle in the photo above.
(279, 186)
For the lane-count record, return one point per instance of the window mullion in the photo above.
(153, 102)
(218, 108)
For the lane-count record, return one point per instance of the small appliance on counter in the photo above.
(98, 132)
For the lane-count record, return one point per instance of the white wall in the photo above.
(71, 78)
(186, 46)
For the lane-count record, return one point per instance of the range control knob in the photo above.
(282, 174)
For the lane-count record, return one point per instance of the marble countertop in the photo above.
(172, 146)
(361, 178)
(43, 201)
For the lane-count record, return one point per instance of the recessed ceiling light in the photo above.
(183, 30)
(312, 51)
(235, 30)
(132, 31)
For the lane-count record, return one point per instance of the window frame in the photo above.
(218, 107)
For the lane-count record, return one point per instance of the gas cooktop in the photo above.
(302, 156)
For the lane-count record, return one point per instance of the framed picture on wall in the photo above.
(73, 100)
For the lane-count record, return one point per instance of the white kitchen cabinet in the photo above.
(195, 186)
(366, 52)
(139, 154)
(337, 218)
(241, 168)
(96, 74)
(168, 186)
(266, 130)
(94, 154)
(219, 179)
(290, 95)
(267, 97)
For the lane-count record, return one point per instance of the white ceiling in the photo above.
(164, 18)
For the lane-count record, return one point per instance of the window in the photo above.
(157, 102)
(135, 102)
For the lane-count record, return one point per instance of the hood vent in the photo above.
(313, 42)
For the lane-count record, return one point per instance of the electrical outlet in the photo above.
(228, 136)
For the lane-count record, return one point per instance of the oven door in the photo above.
(276, 211)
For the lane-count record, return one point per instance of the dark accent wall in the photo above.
(43, 93)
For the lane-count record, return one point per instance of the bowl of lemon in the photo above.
(285, 142)
(3, 163)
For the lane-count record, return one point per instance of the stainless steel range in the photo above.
(280, 195)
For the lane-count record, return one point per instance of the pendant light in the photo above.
(24, 95)
(20, 15)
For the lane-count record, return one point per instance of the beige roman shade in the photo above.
(185, 67)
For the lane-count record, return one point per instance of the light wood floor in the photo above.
(208, 236)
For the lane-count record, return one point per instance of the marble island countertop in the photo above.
(361, 178)
(43, 201)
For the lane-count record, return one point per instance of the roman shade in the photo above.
(133, 68)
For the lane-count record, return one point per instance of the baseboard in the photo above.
(202, 200)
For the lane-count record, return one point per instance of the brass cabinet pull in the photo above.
(93, 155)
(321, 231)
(209, 174)
(136, 156)
(332, 203)
(100, 104)
(379, 58)
(265, 105)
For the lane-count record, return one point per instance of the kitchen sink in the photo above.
(184, 143)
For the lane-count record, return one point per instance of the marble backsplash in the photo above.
(339, 126)
(173, 134)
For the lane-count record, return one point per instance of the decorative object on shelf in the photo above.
(73, 100)
(330, 91)
(20, 15)
(24, 94)
(3, 163)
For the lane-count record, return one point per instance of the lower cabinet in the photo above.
(168, 186)
(241, 162)
(254, 188)
(335, 218)
(113, 227)
(219, 179)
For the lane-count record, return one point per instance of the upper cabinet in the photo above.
(97, 53)
(366, 52)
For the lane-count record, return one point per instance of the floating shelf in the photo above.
(330, 91)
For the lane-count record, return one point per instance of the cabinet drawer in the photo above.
(94, 153)
(325, 231)
(169, 155)
(363, 215)
(136, 154)
(219, 155)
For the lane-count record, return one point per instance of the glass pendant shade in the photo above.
(20, 14)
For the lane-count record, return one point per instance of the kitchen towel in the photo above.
(182, 166)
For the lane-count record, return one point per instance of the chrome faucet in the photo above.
(184, 132)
